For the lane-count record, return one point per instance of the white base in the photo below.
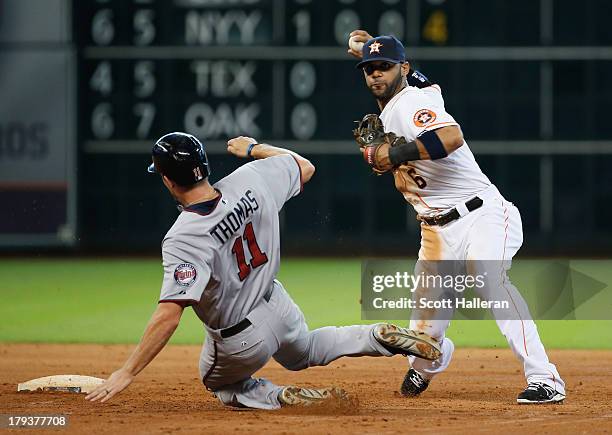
(68, 383)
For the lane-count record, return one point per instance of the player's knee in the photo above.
(295, 365)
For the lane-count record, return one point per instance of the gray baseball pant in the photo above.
(278, 330)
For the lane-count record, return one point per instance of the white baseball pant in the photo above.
(491, 232)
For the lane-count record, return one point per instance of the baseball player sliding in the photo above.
(221, 257)
(463, 216)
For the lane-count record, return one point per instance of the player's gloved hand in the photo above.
(374, 143)
(239, 146)
(360, 36)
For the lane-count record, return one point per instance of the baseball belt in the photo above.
(452, 215)
(244, 323)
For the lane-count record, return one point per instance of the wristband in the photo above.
(404, 152)
(250, 149)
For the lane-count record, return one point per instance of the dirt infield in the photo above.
(476, 394)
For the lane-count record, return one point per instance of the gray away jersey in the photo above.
(222, 260)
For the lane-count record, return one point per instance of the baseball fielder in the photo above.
(463, 216)
(221, 257)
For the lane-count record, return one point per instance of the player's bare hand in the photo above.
(360, 36)
(239, 146)
(116, 383)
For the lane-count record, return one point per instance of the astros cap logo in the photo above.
(375, 47)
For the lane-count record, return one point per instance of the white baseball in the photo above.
(354, 44)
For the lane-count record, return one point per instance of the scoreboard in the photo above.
(266, 68)
(278, 69)
(272, 69)
(111, 76)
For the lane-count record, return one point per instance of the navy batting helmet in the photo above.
(181, 158)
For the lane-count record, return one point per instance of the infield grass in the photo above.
(110, 301)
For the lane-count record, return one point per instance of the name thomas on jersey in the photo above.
(232, 221)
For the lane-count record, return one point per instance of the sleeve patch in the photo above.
(185, 274)
(424, 117)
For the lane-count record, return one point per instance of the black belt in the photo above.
(452, 215)
(244, 323)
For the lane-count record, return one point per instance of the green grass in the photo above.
(110, 301)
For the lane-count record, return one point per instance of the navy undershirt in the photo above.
(206, 207)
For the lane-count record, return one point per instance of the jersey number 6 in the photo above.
(420, 181)
(257, 257)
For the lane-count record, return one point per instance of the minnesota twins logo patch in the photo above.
(185, 274)
(424, 117)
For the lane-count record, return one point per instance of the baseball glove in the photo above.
(374, 143)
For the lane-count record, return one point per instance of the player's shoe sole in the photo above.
(404, 341)
(297, 396)
(538, 393)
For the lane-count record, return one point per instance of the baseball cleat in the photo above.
(414, 384)
(538, 392)
(310, 396)
(398, 340)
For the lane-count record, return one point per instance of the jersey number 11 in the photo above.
(257, 257)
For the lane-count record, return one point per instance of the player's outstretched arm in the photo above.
(385, 151)
(162, 325)
(430, 145)
(245, 147)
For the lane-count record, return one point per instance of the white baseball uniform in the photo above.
(491, 232)
(221, 257)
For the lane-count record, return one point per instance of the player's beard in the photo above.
(396, 85)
